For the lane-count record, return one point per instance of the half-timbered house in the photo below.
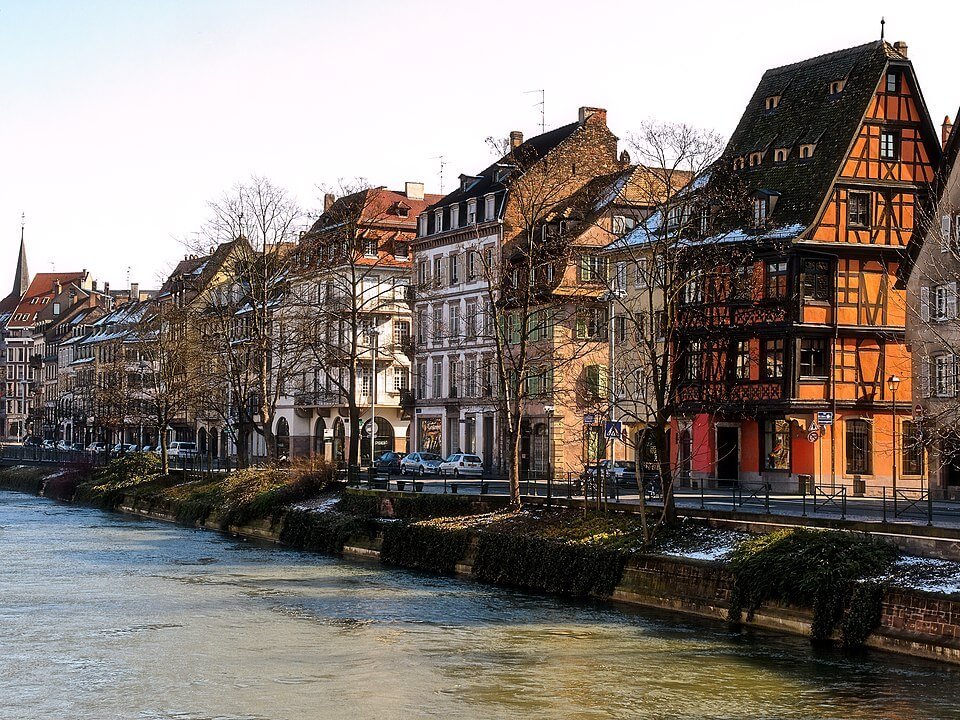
(835, 154)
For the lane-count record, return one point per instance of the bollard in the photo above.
(884, 503)
(929, 508)
(766, 497)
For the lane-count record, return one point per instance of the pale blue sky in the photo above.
(120, 120)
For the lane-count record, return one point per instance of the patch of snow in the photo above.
(318, 505)
(926, 574)
(56, 474)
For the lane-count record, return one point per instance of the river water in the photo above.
(108, 616)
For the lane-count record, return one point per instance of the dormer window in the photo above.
(402, 211)
(807, 150)
(501, 174)
(454, 217)
(472, 211)
(837, 86)
(438, 220)
(423, 224)
(781, 155)
(771, 103)
(489, 207)
(755, 158)
(468, 181)
(761, 211)
(738, 163)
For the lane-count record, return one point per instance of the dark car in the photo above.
(33, 441)
(389, 462)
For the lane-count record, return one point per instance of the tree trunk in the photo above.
(164, 457)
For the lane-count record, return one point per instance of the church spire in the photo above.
(21, 280)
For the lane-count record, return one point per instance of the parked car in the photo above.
(32, 441)
(389, 462)
(420, 463)
(623, 472)
(64, 445)
(462, 464)
(146, 448)
(48, 445)
(122, 448)
(77, 447)
(179, 449)
(97, 447)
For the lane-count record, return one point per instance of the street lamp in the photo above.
(374, 336)
(893, 382)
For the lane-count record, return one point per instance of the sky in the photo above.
(121, 120)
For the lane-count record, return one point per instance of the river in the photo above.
(108, 616)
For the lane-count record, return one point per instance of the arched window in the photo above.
(319, 430)
(283, 437)
(384, 440)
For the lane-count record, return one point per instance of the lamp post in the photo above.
(893, 382)
(374, 336)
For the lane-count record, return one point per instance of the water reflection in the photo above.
(105, 616)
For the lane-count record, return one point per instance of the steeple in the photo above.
(21, 280)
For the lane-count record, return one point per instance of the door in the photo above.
(487, 442)
(728, 455)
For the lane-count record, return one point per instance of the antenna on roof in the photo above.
(883, 22)
(443, 164)
(543, 106)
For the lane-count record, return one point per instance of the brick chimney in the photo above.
(945, 130)
(901, 47)
(413, 190)
(516, 139)
(328, 200)
(593, 114)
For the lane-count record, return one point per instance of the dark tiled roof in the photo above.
(807, 113)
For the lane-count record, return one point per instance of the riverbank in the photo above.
(557, 551)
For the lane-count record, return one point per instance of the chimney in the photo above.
(134, 291)
(57, 287)
(413, 190)
(588, 112)
(106, 288)
(901, 47)
(328, 200)
(516, 139)
(945, 130)
(93, 286)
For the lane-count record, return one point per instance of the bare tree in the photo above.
(251, 352)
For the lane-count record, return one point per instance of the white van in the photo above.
(182, 449)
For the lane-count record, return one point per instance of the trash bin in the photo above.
(805, 484)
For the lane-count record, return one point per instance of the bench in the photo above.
(483, 485)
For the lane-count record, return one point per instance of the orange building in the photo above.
(835, 155)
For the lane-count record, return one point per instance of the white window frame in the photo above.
(472, 211)
(489, 207)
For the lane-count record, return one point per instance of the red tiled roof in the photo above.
(41, 287)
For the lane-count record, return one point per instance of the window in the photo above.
(944, 376)
(438, 324)
(813, 357)
(454, 263)
(693, 361)
(423, 224)
(912, 448)
(401, 332)
(641, 269)
(401, 378)
(775, 285)
(781, 155)
(591, 324)
(776, 445)
(623, 224)
(761, 208)
(816, 280)
(692, 291)
(595, 379)
(858, 210)
(773, 359)
(401, 250)
(771, 102)
(889, 145)
(741, 283)
(893, 82)
(437, 271)
(421, 380)
(453, 375)
(704, 221)
(437, 377)
(438, 220)
(454, 217)
(756, 158)
(421, 326)
(489, 209)
(471, 264)
(370, 247)
(366, 380)
(738, 163)
(859, 448)
(836, 87)
(945, 302)
(592, 268)
(470, 377)
(806, 151)
(454, 320)
(741, 360)
(620, 328)
(471, 318)
(422, 275)
(472, 211)
(620, 278)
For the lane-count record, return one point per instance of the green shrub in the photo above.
(807, 568)
(417, 507)
(23, 479)
(423, 547)
(325, 532)
(563, 568)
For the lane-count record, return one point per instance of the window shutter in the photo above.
(925, 377)
(925, 304)
(952, 377)
(952, 301)
(945, 233)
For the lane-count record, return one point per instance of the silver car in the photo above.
(421, 463)
(460, 464)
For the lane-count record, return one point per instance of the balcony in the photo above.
(314, 398)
